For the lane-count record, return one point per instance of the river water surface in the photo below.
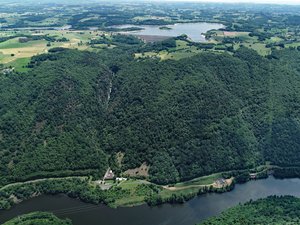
(190, 213)
(193, 30)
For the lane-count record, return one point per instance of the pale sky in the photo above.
(294, 2)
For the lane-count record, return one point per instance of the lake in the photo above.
(189, 213)
(194, 31)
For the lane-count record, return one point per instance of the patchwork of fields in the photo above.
(17, 54)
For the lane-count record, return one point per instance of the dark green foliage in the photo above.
(169, 43)
(262, 175)
(23, 38)
(102, 40)
(242, 178)
(203, 45)
(272, 211)
(38, 218)
(177, 110)
(49, 117)
(285, 142)
(3, 39)
(187, 118)
(126, 39)
(163, 170)
(293, 20)
(57, 49)
(63, 39)
(262, 36)
(153, 22)
(117, 39)
(208, 113)
(160, 46)
(291, 172)
(154, 200)
(2, 20)
(282, 142)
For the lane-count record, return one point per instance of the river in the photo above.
(193, 30)
(189, 213)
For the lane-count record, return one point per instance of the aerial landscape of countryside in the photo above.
(149, 112)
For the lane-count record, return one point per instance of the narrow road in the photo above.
(39, 180)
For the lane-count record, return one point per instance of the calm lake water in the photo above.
(192, 30)
(190, 213)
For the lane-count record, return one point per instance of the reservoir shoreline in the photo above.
(191, 212)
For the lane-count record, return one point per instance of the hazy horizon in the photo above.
(289, 2)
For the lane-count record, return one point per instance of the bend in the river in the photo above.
(189, 213)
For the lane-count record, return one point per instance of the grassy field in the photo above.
(16, 54)
(14, 44)
(13, 50)
(206, 180)
(135, 197)
(168, 193)
(20, 64)
(295, 44)
(260, 48)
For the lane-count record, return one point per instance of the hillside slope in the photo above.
(50, 115)
(74, 111)
(208, 113)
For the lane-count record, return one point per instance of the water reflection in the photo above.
(189, 213)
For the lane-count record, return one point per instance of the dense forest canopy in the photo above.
(74, 111)
(48, 116)
(272, 211)
(38, 218)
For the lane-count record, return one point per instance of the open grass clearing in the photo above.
(131, 184)
(165, 193)
(134, 197)
(14, 43)
(260, 48)
(23, 51)
(206, 180)
(20, 64)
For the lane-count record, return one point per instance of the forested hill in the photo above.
(208, 113)
(272, 210)
(50, 117)
(74, 111)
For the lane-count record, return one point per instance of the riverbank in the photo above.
(133, 192)
(192, 212)
(273, 210)
(130, 192)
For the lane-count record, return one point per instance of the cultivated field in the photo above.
(17, 54)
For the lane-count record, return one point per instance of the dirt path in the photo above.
(228, 183)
